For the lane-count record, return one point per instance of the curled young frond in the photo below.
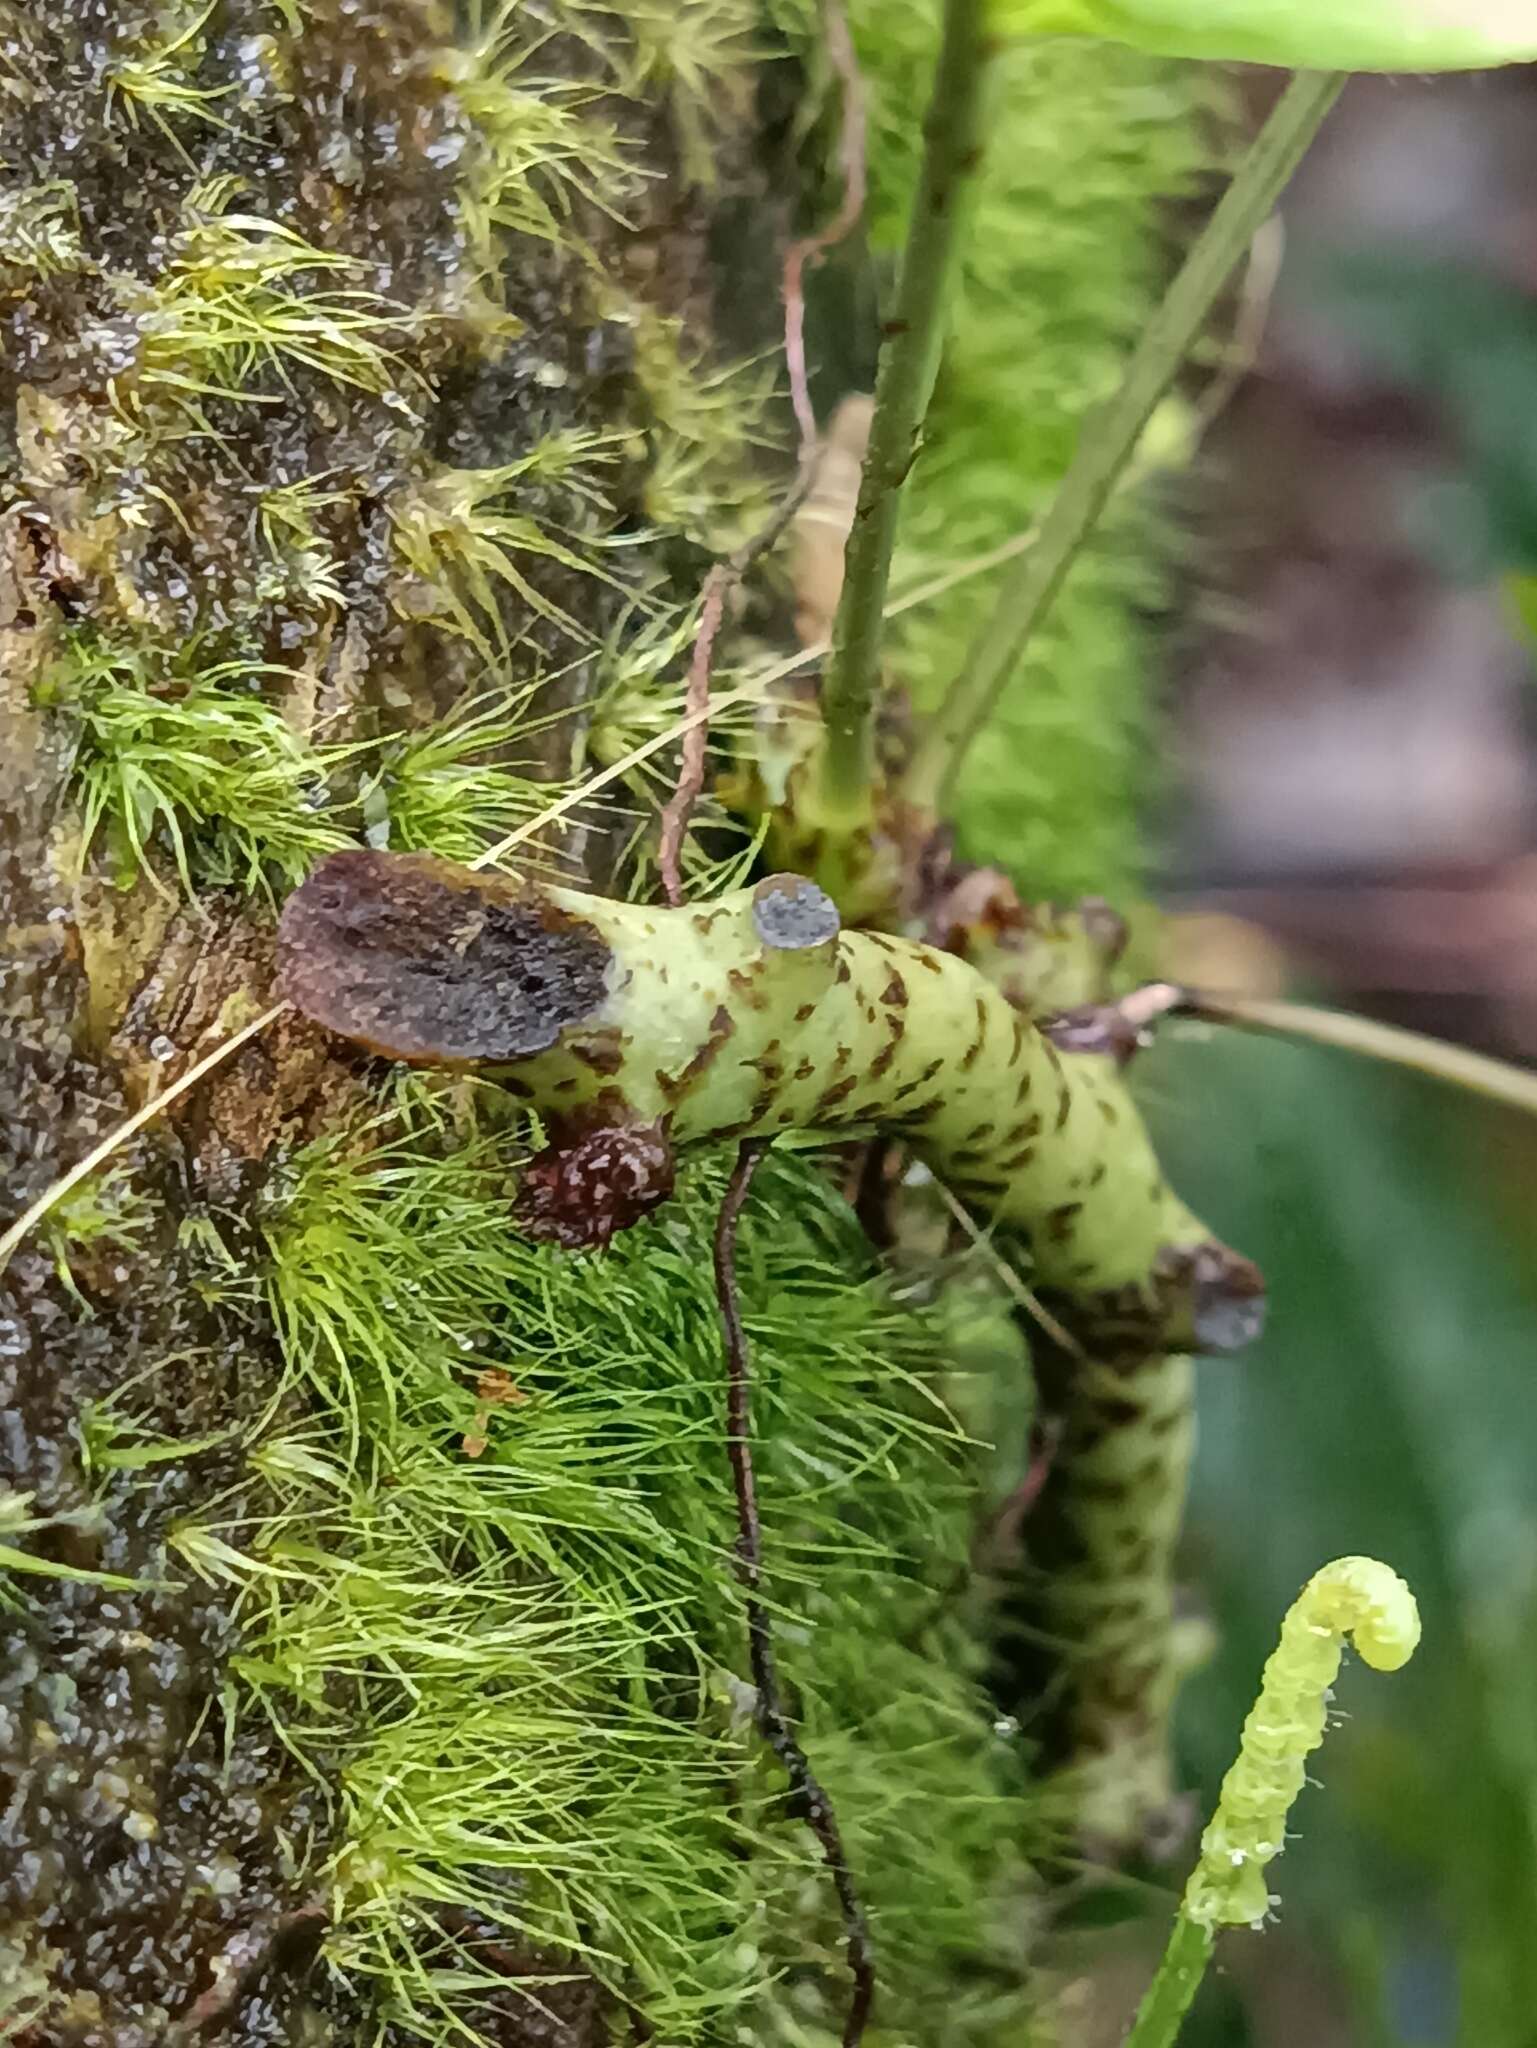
(1355, 1597)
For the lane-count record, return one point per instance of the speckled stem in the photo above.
(1098, 1661)
(756, 1015)
(631, 1029)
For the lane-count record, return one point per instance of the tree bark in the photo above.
(251, 248)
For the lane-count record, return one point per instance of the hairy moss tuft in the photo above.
(704, 423)
(153, 80)
(463, 535)
(40, 233)
(460, 785)
(544, 150)
(496, 1600)
(241, 299)
(178, 755)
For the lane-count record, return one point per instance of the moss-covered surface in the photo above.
(334, 401)
(497, 1595)
(359, 475)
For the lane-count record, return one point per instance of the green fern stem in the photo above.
(953, 133)
(1353, 1596)
(1110, 439)
(1172, 1992)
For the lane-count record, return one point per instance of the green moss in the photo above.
(457, 788)
(640, 693)
(705, 423)
(301, 564)
(153, 80)
(105, 1212)
(690, 56)
(40, 233)
(240, 299)
(17, 1519)
(544, 149)
(1086, 144)
(463, 535)
(178, 756)
(522, 1666)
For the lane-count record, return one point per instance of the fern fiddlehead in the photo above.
(1355, 1597)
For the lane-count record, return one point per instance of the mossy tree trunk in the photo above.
(375, 1656)
(329, 378)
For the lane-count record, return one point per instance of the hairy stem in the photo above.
(1111, 438)
(773, 1720)
(904, 385)
(1162, 2012)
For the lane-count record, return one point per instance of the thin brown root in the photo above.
(996, 1543)
(718, 585)
(773, 1721)
(696, 741)
(851, 161)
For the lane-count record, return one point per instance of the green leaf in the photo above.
(1330, 35)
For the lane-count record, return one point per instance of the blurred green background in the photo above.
(1388, 1410)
